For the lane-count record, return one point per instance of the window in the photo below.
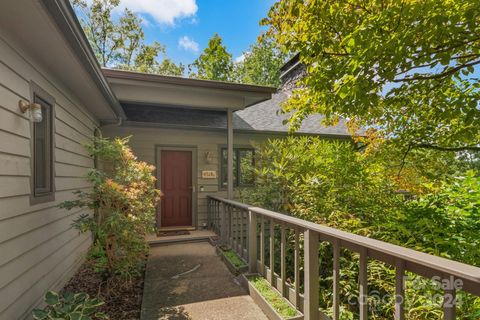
(243, 167)
(43, 178)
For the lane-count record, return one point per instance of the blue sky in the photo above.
(185, 26)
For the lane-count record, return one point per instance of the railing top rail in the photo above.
(446, 266)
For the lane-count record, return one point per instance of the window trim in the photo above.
(37, 196)
(236, 149)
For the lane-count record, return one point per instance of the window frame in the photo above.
(236, 151)
(47, 194)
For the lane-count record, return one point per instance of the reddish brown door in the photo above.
(176, 186)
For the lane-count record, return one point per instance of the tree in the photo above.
(215, 63)
(120, 43)
(406, 68)
(261, 64)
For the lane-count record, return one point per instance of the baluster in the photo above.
(272, 252)
(283, 252)
(399, 290)
(297, 269)
(230, 220)
(336, 280)
(450, 302)
(311, 296)
(241, 232)
(363, 284)
(223, 229)
(208, 213)
(235, 229)
(252, 242)
(262, 245)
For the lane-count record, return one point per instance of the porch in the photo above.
(255, 235)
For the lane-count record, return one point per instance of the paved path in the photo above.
(189, 281)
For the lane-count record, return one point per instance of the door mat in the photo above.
(172, 233)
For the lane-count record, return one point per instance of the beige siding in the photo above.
(39, 249)
(144, 140)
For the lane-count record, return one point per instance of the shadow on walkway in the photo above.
(189, 281)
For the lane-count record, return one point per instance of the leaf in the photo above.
(51, 298)
(39, 314)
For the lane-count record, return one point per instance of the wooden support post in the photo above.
(311, 296)
(252, 242)
(399, 290)
(230, 190)
(336, 280)
(363, 284)
(223, 228)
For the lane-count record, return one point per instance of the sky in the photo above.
(185, 26)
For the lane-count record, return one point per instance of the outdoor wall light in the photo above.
(209, 157)
(34, 108)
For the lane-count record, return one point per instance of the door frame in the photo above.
(158, 158)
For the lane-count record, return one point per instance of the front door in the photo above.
(176, 186)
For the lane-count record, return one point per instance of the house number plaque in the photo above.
(209, 174)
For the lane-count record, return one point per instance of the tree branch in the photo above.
(440, 148)
(445, 73)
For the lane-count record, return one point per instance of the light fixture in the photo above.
(35, 110)
(209, 158)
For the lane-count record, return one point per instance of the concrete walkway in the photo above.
(189, 281)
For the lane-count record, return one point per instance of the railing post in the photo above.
(450, 302)
(336, 280)
(223, 216)
(252, 242)
(363, 284)
(311, 295)
(400, 290)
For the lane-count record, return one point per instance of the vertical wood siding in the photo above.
(39, 249)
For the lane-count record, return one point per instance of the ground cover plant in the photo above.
(428, 201)
(273, 297)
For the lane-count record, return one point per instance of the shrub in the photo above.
(123, 198)
(332, 183)
(78, 306)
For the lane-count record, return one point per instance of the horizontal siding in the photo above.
(144, 140)
(39, 247)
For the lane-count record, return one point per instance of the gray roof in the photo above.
(261, 117)
(266, 116)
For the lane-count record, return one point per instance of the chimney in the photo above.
(291, 72)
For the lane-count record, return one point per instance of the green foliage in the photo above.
(120, 43)
(406, 68)
(332, 183)
(234, 259)
(261, 64)
(273, 297)
(215, 63)
(70, 306)
(124, 199)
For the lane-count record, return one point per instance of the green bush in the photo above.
(414, 199)
(123, 198)
(78, 306)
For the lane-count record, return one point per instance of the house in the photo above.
(54, 97)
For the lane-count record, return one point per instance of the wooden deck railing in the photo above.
(241, 227)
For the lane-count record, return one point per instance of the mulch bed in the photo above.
(123, 300)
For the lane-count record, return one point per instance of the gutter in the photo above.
(181, 81)
(66, 20)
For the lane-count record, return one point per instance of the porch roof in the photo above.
(160, 90)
